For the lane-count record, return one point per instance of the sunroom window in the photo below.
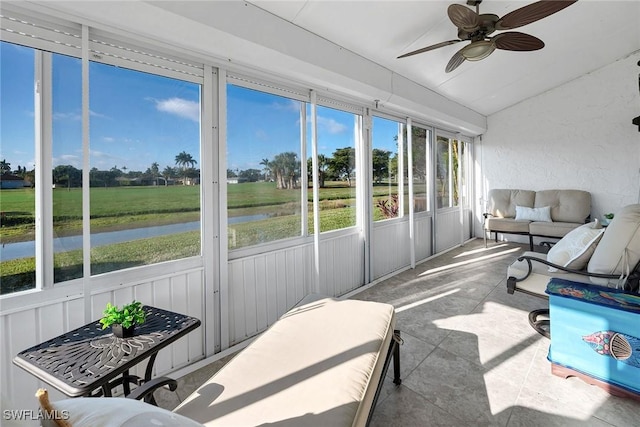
(338, 136)
(264, 143)
(145, 176)
(17, 145)
(449, 158)
(420, 164)
(388, 167)
(144, 146)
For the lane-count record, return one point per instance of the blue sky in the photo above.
(137, 118)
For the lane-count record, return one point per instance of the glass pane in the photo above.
(457, 163)
(144, 177)
(443, 172)
(264, 140)
(337, 167)
(385, 135)
(420, 140)
(17, 162)
(67, 167)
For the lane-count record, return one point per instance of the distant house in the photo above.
(236, 180)
(8, 181)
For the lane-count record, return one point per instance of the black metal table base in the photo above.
(539, 320)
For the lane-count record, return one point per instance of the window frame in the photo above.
(53, 36)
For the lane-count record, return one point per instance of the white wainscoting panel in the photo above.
(422, 237)
(20, 329)
(341, 264)
(390, 249)
(447, 229)
(263, 287)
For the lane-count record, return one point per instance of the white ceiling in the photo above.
(579, 39)
(352, 46)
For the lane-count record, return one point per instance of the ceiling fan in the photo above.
(476, 27)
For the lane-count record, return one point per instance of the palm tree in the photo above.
(286, 170)
(183, 160)
(4, 166)
(267, 168)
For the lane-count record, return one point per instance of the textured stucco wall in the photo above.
(577, 136)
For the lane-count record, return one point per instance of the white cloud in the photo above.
(75, 116)
(66, 116)
(289, 105)
(68, 159)
(180, 107)
(261, 135)
(330, 125)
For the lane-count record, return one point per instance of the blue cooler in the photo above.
(595, 331)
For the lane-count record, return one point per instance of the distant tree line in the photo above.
(284, 168)
(69, 176)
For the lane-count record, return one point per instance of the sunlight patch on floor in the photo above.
(480, 250)
(470, 261)
(426, 300)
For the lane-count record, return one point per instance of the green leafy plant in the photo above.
(127, 316)
(608, 216)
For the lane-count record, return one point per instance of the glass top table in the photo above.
(91, 361)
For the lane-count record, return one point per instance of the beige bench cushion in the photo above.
(320, 364)
(503, 202)
(507, 225)
(552, 229)
(566, 205)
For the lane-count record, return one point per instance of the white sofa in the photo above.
(545, 213)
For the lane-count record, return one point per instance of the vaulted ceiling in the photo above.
(354, 45)
(579, 39)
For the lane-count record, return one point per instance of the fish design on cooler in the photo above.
(621, 347)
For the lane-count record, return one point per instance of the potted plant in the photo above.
(123, 320)
(607, 218)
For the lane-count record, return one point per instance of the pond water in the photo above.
(19, 250)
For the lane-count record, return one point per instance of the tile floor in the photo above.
(469, 357)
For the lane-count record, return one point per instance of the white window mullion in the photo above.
(366, 201)
(450, 172)
(86, 164)
(42, 133)
(304, 173)
(211, 228)
(412, 246)
(461, 164)
(400, 171)
(222, 211)
(316, 194)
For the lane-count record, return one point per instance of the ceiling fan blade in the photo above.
(463, 17)
(514, 40)
(455, 61)
(531, 13)
(428, 48)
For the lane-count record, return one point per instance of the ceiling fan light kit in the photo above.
(477, 28)
(478, 50)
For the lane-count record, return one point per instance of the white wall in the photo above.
(576, 136)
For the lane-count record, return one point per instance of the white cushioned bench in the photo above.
(321, 364)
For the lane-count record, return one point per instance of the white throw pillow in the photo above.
(575, 249)
(118, 412)
(533, 214)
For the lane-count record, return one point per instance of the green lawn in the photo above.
(121, 208)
